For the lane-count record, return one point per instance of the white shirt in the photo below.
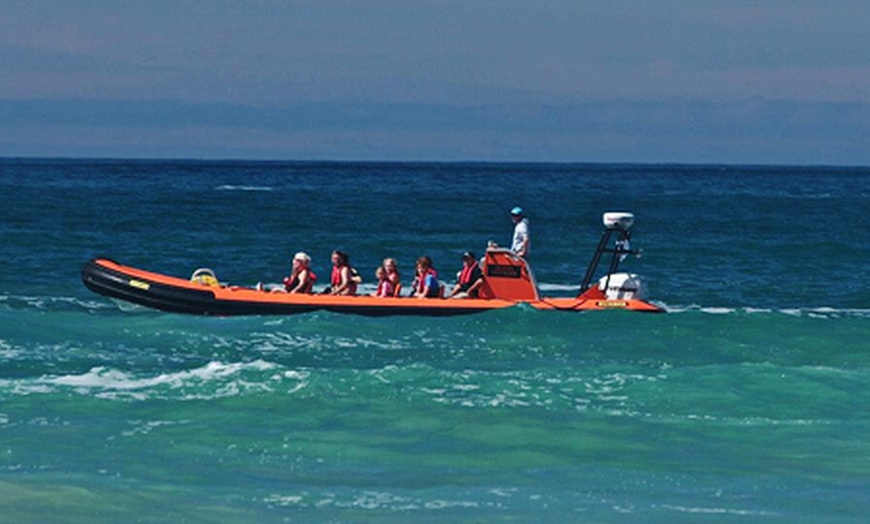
(521, 233)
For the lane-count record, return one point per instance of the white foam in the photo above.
(53, 302)
(543, 286)
(283, 500)
(146, 427)
(717, 511)
(129, 307)
(718, 310)
(100, 377)
(231, 187)
(368, 500)
(213, 380)
(812, 312)
(8, 351)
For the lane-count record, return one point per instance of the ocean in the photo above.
(749, 401)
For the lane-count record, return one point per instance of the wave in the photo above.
(693, 510)
(384, 501)
(211, 381)
(54, 303)
(98, 304)
(572, 288)
(8, 351)
(230, 187)
(572, 390)
(809, 312)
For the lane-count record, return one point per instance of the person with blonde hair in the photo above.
(302, 278)
(385, 287)
(392, 270)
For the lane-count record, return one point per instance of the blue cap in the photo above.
(517, 211)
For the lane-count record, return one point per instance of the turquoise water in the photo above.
(748, 402)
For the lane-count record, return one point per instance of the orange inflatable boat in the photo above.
(508, 282)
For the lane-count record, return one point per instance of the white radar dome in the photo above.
(618, 220)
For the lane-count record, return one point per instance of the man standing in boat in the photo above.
(521, 241)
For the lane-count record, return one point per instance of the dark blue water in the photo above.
(747, 402)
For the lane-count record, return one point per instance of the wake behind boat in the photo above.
(509, 281)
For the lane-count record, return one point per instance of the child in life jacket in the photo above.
(392, 269)
(385, 287)
(426, 285)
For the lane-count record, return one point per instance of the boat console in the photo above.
(508, 276)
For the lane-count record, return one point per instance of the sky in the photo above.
(668, 81)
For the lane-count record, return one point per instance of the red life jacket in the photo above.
(292, 283)
(336, 279)
(383, 286)
(465, 275)
(421, 281)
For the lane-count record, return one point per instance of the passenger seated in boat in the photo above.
(385, 287)
(426, 285)
(470, 278)
(301, 279)
(392, 270)
(344, 278)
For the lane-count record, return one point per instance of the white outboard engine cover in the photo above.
(618, 220)
(625, 286)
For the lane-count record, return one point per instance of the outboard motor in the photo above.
(623, 286)
(615, 285)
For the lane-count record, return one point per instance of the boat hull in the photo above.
(177, 295)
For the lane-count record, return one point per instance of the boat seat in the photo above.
(205, 276)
